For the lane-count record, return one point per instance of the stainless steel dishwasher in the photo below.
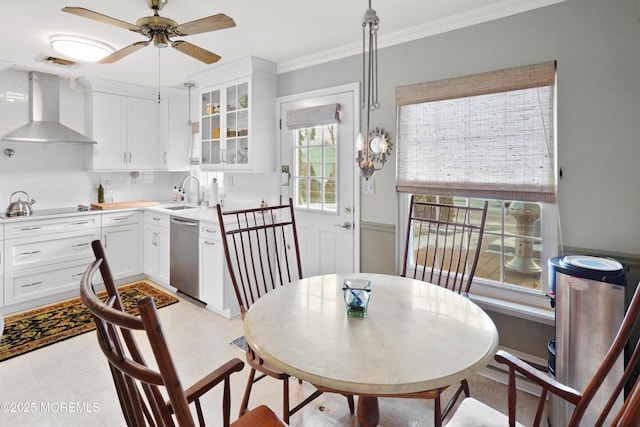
(183, 264)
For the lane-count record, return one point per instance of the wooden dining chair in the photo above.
(472, 412)
(262, 253)
(442, 246)
(138, 384)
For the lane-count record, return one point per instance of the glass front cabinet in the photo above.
(237, 125)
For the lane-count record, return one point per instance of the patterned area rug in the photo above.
(37, 328)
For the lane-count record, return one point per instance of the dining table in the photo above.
(416, 337)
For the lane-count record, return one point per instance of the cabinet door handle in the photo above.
(165, 157)
(29, 228)
(129, 156)
(30, 253)
(105, 240)
(31, 284)
(154, 242)
(124, 157)
(80, 245)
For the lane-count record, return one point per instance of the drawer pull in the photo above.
(207, 242)
(29, 228)
(120, 218)
(74, 275)
(79, 223)
(80, 245)
(210, 230)
(32, 284)
(30, 253)
(155, 218)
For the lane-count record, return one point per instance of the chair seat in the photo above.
(473, 413)
(260, 416)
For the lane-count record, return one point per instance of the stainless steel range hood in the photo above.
(44, 114)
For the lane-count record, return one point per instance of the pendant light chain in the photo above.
(370, 161)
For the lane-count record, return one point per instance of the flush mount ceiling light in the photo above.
(80, 48)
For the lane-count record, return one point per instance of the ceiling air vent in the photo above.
(52, 60)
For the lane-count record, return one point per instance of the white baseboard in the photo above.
(499, 372)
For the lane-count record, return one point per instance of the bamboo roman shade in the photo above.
(488, 135)
(313, 116)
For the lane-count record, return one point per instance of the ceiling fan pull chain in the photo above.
(158, 76)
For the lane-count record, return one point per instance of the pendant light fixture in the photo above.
(373, 147)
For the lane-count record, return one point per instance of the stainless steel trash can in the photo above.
(590, 305)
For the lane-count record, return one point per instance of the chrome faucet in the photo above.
(198, 196)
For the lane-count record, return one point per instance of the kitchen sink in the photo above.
(180, 208)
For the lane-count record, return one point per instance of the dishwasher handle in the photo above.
(186, 222)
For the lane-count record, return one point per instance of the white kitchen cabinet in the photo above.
(46, 257)
(156, 247)
(126, 129)
(120, 239)
(237, 116)
(174, 132)
(30, 284)
(42, 250)
(216, 288)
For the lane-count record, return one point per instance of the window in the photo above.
(489, 136)
(315, 171)
(316, 168)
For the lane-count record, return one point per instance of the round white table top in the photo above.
(416, 337)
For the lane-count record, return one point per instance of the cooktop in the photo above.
(47, 212)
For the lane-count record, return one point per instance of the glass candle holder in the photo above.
(356, 296)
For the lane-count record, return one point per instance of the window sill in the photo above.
(523, 311)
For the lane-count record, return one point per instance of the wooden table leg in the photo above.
(368, 411)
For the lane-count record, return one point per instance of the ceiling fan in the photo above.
(160, 30)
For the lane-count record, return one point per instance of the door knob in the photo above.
(346, 225)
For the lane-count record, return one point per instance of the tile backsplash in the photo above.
(59, 175)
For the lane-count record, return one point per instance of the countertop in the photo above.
(199, 213)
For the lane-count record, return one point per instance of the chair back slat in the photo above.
(137, 384)
(443, 243)
(261, 250)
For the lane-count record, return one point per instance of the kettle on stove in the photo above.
(19, 207)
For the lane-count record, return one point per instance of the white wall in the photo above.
(58, 174)
(597, 46)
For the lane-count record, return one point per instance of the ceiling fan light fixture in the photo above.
(160, 40)
(80, 48)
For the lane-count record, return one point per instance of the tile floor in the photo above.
(68, 383)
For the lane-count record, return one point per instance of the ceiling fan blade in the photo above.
(86, 13)
(210, 23)
(195, 52)
(119, 54)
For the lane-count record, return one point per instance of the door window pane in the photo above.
(315, 179)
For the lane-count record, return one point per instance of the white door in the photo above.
(319, 173)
